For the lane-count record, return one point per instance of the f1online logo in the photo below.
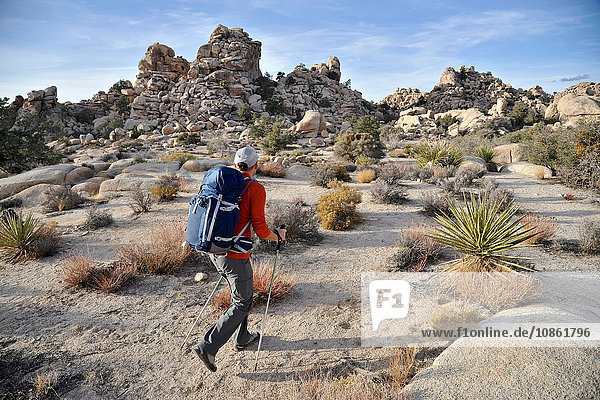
(389, 300)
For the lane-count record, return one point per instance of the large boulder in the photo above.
(311, 125)
(508, 153)
(78, 175)
(35, 195)
(153, 169)
(128, 182)
(528, 169)
(475, 163)
(52, 174)
(572, 107)
(89, 188)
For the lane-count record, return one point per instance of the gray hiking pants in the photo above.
(238, 274)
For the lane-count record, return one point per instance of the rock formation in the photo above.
(575, 102)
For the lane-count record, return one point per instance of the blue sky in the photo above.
(85, 46)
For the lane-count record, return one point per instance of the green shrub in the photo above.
(190, 138)
(323, 174)
(271, 134)
(522, 115)
(180, 156)
(440, 154)
(24, 143)
(114, 124)
(483, 233)
(337, 209)
(365, 124)
(352, 146)
(447, 121)
(274, 106)
(551, 148)
(245, 112)
(487, 153)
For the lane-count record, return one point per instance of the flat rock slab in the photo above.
(528, 169)
(510, 373)
(52, 174)
(154, 169)
(129, 182)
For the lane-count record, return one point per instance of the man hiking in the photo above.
(235, 266)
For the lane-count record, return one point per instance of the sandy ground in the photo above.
(126, 345)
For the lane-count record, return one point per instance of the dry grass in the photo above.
(366, 176)
(453, 315)
(110, 279)
(495, 291)
(543, 227)
(164, 255)
(77, 270)
(283, 282)
(60, 199)
(402, 365)
(273, 169)
(436, 202)
(44, 383)
(97, 219)
(167, 187)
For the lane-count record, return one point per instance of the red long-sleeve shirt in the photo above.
(252, 207)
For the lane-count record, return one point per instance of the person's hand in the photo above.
(281, 233)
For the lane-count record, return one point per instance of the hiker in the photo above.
(235, 266)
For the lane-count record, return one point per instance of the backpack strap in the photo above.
(239, 235)
(249, 180)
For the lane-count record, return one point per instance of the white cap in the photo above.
(246, 155)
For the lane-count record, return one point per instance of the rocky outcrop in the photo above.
(53, 174)
(405, 98)
(575, 102)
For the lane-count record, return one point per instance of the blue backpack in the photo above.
(214, 213)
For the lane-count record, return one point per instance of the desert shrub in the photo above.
(463, 179)
(164, 255)
(77, 270)
(415, 249)
(587, 138)
(366, 175)
(437, 154)
(166, 188)
(271, 134)
(355, 145)
(24, 143)
(273, 169)
(180, 156)
(486, 153)
(283, 282)
(337, 209)
(453, 315)
(441, 173)
(489, 188)
(483, 233)
(585, 174)
(435, 202)
(136, 160)
(46, 242)
(190, 138)
(97, 219)
(112, 278)
(245, 112)
(220, 144)
(140, 201)
(543, 227)
(589, 237)
(385, 193)
(393, 173)
(365, 124)
(299, 220)
(447, 121)
(322, 174)
(61, 199)
(550, 147)
(522, 115)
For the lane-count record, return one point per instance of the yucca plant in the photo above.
(17, 235)
(483, 233)
(486, 153)
(439, 154)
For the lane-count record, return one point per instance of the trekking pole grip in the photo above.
(279, 237)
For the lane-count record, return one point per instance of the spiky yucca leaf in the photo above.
(17, 235)
(483, 233)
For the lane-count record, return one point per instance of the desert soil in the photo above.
(125, 345)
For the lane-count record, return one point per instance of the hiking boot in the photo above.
(207, 359)
(253, 338)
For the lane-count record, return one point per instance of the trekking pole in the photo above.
(262, 329)
(199, 315)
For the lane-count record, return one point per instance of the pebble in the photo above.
(200, 276)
